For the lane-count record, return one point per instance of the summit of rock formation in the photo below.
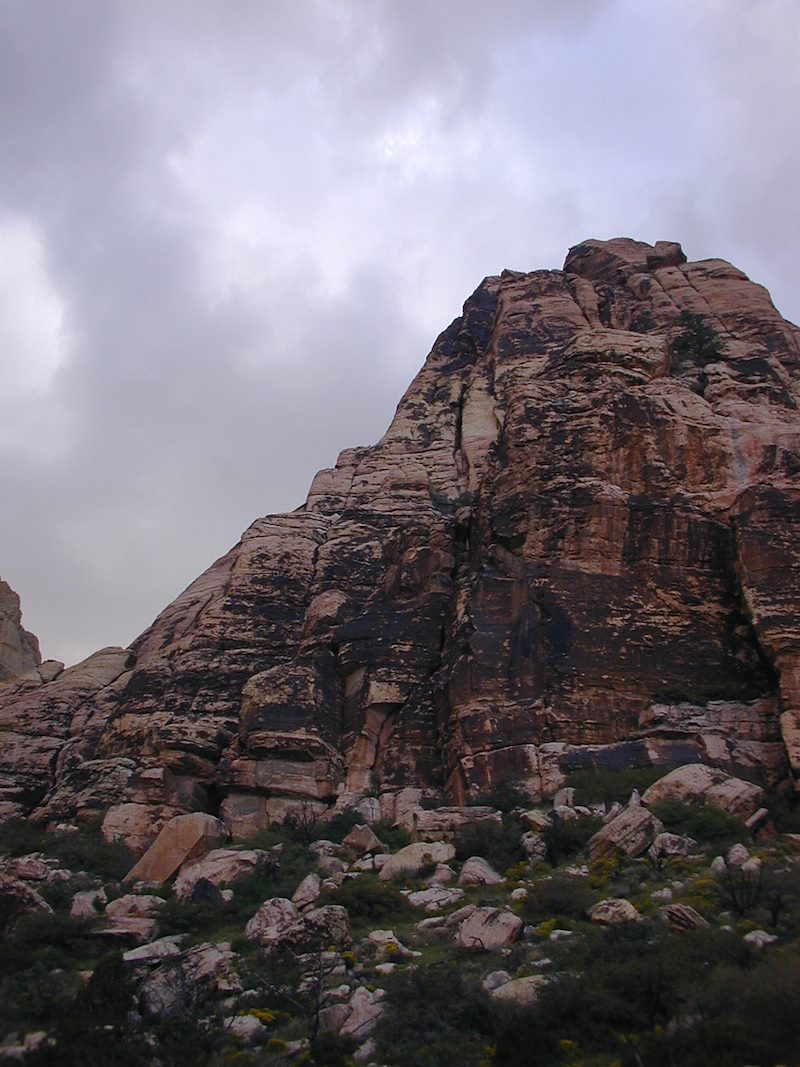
(19, 649)
(577, 544)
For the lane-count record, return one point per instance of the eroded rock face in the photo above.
(19, 649)
(578, 544)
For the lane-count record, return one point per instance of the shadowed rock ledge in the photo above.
(577, 544)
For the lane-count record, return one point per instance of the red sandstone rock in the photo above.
(578, 544)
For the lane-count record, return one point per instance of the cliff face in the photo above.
(19, 649)
(578, 543)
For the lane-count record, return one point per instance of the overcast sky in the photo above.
(231, 231)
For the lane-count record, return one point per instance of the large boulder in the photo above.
(362, 839)
(415, 858)
(695, 783)
(271, 922)
(520, 992)
(613, 911)
(628, 834)
(183, 838)
(487, 929)
(221, 866)
(16, 900)
(181, 982)
(477, 871)
(443, 824)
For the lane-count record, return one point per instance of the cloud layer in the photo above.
(231, 233)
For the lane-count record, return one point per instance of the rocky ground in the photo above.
(617, 925)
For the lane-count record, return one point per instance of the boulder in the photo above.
(495, 979)
(613, 911)
(443, 824)
(476, 871)
(182, 981)
(132, 906)
(155, 950)
(327, 926)
(628, 834)
(535, 846)
(272, 921)
(487, 929)
(183, 838)
(247, 1029)
(760, 938)
(435, 898)
(364, 1010)
(16, 900)
(666, 845)
(362, 839)
(385, 946)
(307, 891)
(88, 903)
(519, 992)
(682, 917)
(36, 868)
(696, 782)
(221, 867)
(415, 858)
(136, 824)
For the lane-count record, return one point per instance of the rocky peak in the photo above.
(19, 649)
(577, 544)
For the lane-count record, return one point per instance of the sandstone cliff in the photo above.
(577, 543)
(19, 649)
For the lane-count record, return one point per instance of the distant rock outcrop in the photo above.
(19, 649)
(577, 545)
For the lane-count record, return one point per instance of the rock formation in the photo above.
(19, 650)
(577, 544)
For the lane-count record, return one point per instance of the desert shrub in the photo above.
(745, 1016)
(51, 939)
(739, 889)
(500, 845)
(368, 900)
(564, 895)
(615, 998)
(594, 785)
(785, 812)
(33, 996)
(707, 824)
(438, 1016)
(564, 838)
(87, 850)
(394, 837)
(505, 795)
(18, 837)
(330, 1050)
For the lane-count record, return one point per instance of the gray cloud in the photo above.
(233, 231)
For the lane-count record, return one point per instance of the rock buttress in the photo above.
(576, 545)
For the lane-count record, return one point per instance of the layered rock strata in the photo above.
(577, 544)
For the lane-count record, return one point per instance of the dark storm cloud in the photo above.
(232, 231)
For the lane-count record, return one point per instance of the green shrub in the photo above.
(498, 845)
(564, 895)
(564, 838)
(707, 824)
(438, 1016)
(505, 795)
(18, 837)
(330, 1050)
(595, 786)
(370, 901)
